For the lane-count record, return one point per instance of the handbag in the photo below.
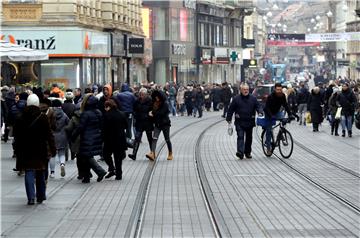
(308, 117)
(338, 113)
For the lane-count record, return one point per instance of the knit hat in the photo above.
(56, 103)
(33, 100)
(69, 95)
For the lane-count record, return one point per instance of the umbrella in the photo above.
(13, 52)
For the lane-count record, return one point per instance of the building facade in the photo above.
(87, 41)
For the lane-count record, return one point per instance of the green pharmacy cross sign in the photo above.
(233, 56)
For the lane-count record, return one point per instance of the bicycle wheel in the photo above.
(263, 144)
(286, 144)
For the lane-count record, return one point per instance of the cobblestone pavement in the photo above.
(204, 192)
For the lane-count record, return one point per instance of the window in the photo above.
(159, 24)
(175, 26)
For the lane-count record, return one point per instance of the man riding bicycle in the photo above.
(274, 102)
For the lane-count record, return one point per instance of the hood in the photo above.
(108, 86)
(84, 101)
(159, 94)
(91, 103)
(58, 113)
(125, 87)
(21, 104)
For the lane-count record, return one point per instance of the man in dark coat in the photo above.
(226, 96)
(114, 138)
(244, 106)
(78, 96)
(143, 122)
(314, 106)
(126, 100)
(347, 100)
(33, 137)
(302, 99)
(68, 106)
(198, 99)
(216, 97)
(188, 100)
(90, 131)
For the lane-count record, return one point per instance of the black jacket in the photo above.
(115, 124)
(90, 129)
(347, 101)
(226, 95)
(244, 108)
(314, 106)
(216, 94)
(143, 122)
(303, 96)
(274, 103)
(69, 108)
(161, 114)
(33, 140)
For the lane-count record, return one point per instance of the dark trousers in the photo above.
(244, 146)
(226, 108)
(215, 106)
(166, 133)
(189, 108)
(87, 163)
(199, 109)
(139, 134)
(38, 188)
(119, 155)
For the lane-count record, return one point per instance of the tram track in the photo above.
(135, 224)
(308, 178)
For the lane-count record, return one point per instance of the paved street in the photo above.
(204, 192)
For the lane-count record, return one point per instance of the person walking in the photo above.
(68, 106)
(226, 96)
(180, 100)
(347, 101)
(33, 141)
(198, 101)
(90, 131)
(333, 107)
(188, 100)
(244, 106)
(302, 99)
(114, 139)
(143, 122)
(61, 141)
(315, 108)
(160, 114)
(126, 101)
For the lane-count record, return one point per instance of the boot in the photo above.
(332, 129)
(343, 133)
(133, 155)
(336, 129)
(350, 133)
(151, 155)
(170, 156)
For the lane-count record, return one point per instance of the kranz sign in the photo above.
(136, 45)
(178, 49)
(37, 44)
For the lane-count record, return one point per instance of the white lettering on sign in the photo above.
(136, 45)
(178, 49)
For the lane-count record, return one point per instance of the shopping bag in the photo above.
(230, 130)
(308, 117)
(338, 113)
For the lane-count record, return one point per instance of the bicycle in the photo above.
(283, 140)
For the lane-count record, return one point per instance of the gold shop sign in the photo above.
(22, 12)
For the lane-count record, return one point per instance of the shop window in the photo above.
(64, 72)
(175, 26)
(159, 24)
(160, 71)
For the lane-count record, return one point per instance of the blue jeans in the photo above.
(172, 107)
(268, 128)
(40, 192)
(346, 122)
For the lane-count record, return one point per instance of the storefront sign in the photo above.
(62, 42)
(274, 36)
(117, 45)
(136, 45)
(206, 56)
(283, 43)
(221, 52)
(178, 49)
(247, 43)
(343, 62)
(221, 60)
(333, 37)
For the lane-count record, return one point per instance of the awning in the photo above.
(15, 53)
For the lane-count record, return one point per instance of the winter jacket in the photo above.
(303, 96)
(69, 129)
(226, 95)
(115, 123)
(62, 120)
(347, 101)
(198, 98)
(314, 106)
(161, 114)
(180, 99)
(16, 110)
(333, 106)
(216, 95)
(126, 99)
(102, 100)
(143, 122)
(90, 129)
(188, 97)
(244, 108)
(274, 103)
(69, 108)
(33, 137)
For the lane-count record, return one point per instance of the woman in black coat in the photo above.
(143, 122)
(314, 106)
(115, 124)
(90, 131)
(33, 142)
(160, 114)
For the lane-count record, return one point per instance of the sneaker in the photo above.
(101, 177)
(110, 174)
(118, 178)
(62, 170)
(86, 180)
(239, 155)
(268, 152)
(52, 174)
(31, 202)
(248, 156)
